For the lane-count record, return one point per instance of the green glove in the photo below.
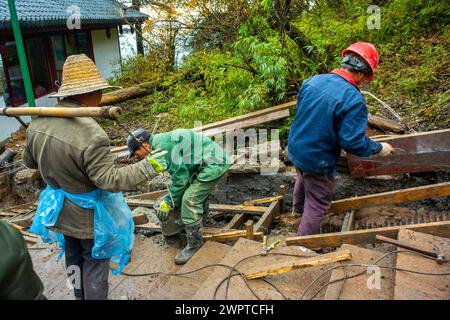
(158, 161)
(163, 211)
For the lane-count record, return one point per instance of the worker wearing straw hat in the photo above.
(73, 155)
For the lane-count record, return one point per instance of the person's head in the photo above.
(361, 60)
(90, 99)
(82, 81)
(140, 150)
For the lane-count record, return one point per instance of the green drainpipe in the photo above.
(21, 52)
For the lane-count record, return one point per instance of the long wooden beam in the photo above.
(308, 262)
(240, 122)
(392, 197)
(440, 229)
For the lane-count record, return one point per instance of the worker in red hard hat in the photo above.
(331, 115)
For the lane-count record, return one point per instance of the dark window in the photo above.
(15, 75)
(38, 65)
(59, 54)
(46, 56)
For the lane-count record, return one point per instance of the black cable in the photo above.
(366, 266)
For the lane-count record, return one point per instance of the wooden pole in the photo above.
(97, 112)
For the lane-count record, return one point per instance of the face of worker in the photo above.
(91, 99)
(142, 152)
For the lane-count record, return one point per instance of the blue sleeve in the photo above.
(352, 132)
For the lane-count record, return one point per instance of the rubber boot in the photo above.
(173, 225)
(194, 236)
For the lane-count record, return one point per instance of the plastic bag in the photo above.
(113, 222)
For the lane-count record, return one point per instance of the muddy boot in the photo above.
(194, 236)
(173, 225)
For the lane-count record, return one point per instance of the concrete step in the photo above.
(409, 286)
(184, 287)
(365, 286)
(291, 284)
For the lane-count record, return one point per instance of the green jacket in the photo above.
(18, 281)
(74, 154)
(190, 155)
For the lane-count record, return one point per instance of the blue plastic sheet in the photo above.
(113, 222)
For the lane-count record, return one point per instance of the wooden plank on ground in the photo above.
(272, 212)
(392, 197)
(231, 236)
(291, 284)
(236, 221)
(422, 152)
(184, 287)
(279, 268)
(238, 208)
(409, 286)
(356, 288)
(337, 239)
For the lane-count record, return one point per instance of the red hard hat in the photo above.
(368, 52)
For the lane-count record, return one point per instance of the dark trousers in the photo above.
(88, 276)
(312, 196)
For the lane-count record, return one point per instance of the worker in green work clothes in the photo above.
(196, 164)
(18, 280)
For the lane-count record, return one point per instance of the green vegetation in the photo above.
(261, 57)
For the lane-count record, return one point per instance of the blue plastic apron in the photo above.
(113, 222)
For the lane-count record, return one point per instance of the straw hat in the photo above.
(80, 75)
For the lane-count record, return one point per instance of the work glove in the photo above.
(157, 162)
(163, 210)
(386, 150)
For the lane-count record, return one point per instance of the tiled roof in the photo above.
(47, 13)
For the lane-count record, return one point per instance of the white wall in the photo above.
(9, 125)
(106, 51)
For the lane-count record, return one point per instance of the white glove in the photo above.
(386, 150)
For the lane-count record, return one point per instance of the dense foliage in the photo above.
(245, 55)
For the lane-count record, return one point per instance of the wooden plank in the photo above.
(261, 201)
(230, 236)
(423, 152)
(355, 288)
(267, 218)
(211, 230)
(149, 196)
(226, 122)
(336, 239)
(347, 225)
(310, 262)
(409, 286)
(236, 222)
(240, 122)
(237, 208)
(392, 197)
(292, 284)
(140, 203)
(249, 122)
(184, 287)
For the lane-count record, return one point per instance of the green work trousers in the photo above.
(194, 198)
